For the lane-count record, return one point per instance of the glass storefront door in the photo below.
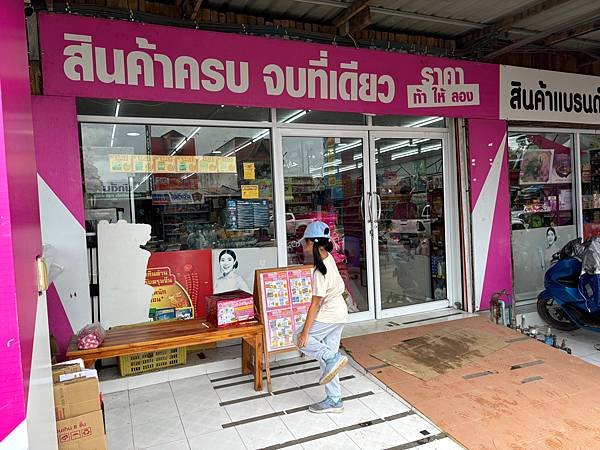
(411, 222)
(387, 209)
(542, 205)
(324, 179)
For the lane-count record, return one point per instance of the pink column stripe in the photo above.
(57, 154)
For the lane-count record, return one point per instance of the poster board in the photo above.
(283, 296)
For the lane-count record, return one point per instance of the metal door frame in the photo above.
(279, 191)
(451, 217)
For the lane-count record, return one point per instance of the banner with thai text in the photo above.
(546, 96)
(89, 57)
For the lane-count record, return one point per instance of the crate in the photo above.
(148, 361)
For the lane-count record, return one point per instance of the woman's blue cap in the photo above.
(316, 229)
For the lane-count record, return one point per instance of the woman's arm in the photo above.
(315, 304)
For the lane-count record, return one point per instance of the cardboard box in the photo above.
(84, 432)
(76, 397)
(65, 368)
(229, 308)
(85, 373)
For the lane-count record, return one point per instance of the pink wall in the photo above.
(19, 224)
(490, 208)
(59, 165)
(57, 154)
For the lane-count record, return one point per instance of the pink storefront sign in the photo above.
(88, 57)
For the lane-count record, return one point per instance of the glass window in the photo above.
(130, 108)
(320, 117)
(590, 184)
(412, 237)
(542, 212)
(198, 187)
(408, 121)
(324, 181)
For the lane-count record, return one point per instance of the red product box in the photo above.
(229, 308)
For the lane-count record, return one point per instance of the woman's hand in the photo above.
(302, 339)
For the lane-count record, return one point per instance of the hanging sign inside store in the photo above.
(88, 57)
(250, 191)
(546, 96)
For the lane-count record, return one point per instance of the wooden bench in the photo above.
(154, 336)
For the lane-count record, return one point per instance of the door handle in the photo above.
(378, 206)
(370, 207)
(362, 207)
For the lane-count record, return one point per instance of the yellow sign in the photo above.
(249, 191)
(207, 164)
(163, 164)
(119, 163)
(141, 163)
(249, 173)
(186, 164)
(227, 164)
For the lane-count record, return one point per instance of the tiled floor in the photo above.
(222, 411)
(182, 408)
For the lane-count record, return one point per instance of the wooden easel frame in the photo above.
(258, 299)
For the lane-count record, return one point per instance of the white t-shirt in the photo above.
(330, 288)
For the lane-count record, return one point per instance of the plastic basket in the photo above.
(148, 361)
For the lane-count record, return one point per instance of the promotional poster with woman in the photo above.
(233, 269)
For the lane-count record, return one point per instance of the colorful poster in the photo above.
(119, 163)
(300, 313)
(280, 329)
(249, 171)
(300, 286)
(234, 268)
(163, 164)
(141, 163)
(536, 166)
(186, 164)
(227, 164)
(250, 191)
(181, 280)
(207, 164)
(275, 290)
(286, 298)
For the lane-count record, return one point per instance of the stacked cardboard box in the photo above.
(79, 420)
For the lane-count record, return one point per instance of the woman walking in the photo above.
(320, 336)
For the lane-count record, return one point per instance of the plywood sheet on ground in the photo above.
(526, 395)
(440, 351)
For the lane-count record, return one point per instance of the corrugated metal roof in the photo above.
(442, 18)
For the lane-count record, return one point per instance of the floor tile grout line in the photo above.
(419, 442)
(231, 377)
(279, 392)
(337, 431)
(278, 375)
(288, 411)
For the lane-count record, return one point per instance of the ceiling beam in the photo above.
(397, 13)
(354, 18)
(508, 21)
(535, 38)
(579, 30)
(196, 9)
(351, 11)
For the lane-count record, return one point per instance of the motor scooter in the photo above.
(571, 298)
